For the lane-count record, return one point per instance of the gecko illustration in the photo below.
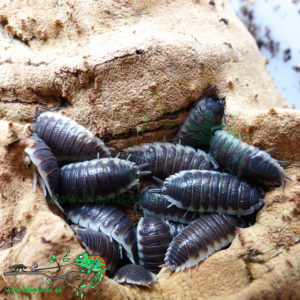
(17, 268)
(91, 262)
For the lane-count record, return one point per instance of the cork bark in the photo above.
(130, 71)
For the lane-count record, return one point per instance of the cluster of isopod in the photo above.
(191, 206)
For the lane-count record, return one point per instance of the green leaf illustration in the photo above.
(50, 261)
(53, 256)
(81, 295)
(82, 286)
(77, 293)
(66, 259)
(67, 253)
(48, 281)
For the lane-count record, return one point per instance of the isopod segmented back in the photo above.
(108, 219)
(153, 237)
(211, 191)
(67, 139)
(45, 161)
(158, 204)
(164, 159)
(199, 125)
(244, 160)
(199, 239)
(136, 275)
(99, 177)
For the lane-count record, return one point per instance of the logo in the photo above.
(91, 271)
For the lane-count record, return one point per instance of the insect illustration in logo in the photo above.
(17, 268)
(92, 263)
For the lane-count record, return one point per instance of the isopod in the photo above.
(199, 239)
(211, 191)
(136, 275)
(98, 243)
(244, 160)
(45, 161)
(108, 219)
(176, 227)
(67, 139)
(99, 177)
(164, 159)
(201, 121)
(158, 204)
(153, 238)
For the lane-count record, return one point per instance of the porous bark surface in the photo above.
(130, 71)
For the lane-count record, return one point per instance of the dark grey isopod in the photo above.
(98, 243)
(165, 159)
(135, 274)
(67, 139)
(44, 160)
(199, 239)
(201, 121)
(108, 219)
(99, 177)
(158, 204)
(244, 160)
(153, 237)
(211, 191)
(176, 227)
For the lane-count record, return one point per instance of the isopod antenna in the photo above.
(44, 108)
(55, 201)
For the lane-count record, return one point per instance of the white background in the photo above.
(282, 17)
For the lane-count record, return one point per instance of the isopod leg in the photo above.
(286, 177)
(282, 181)
(224, 120)
(42, 184)
(186, 212)
(34, 180)
(282, 161)
(135, 208)
(144, 173)
(158, 180)
(157, 190)
(213, 161)
(269, 150)
(143, 165)
(121, 251)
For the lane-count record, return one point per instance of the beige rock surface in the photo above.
(130, 70)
